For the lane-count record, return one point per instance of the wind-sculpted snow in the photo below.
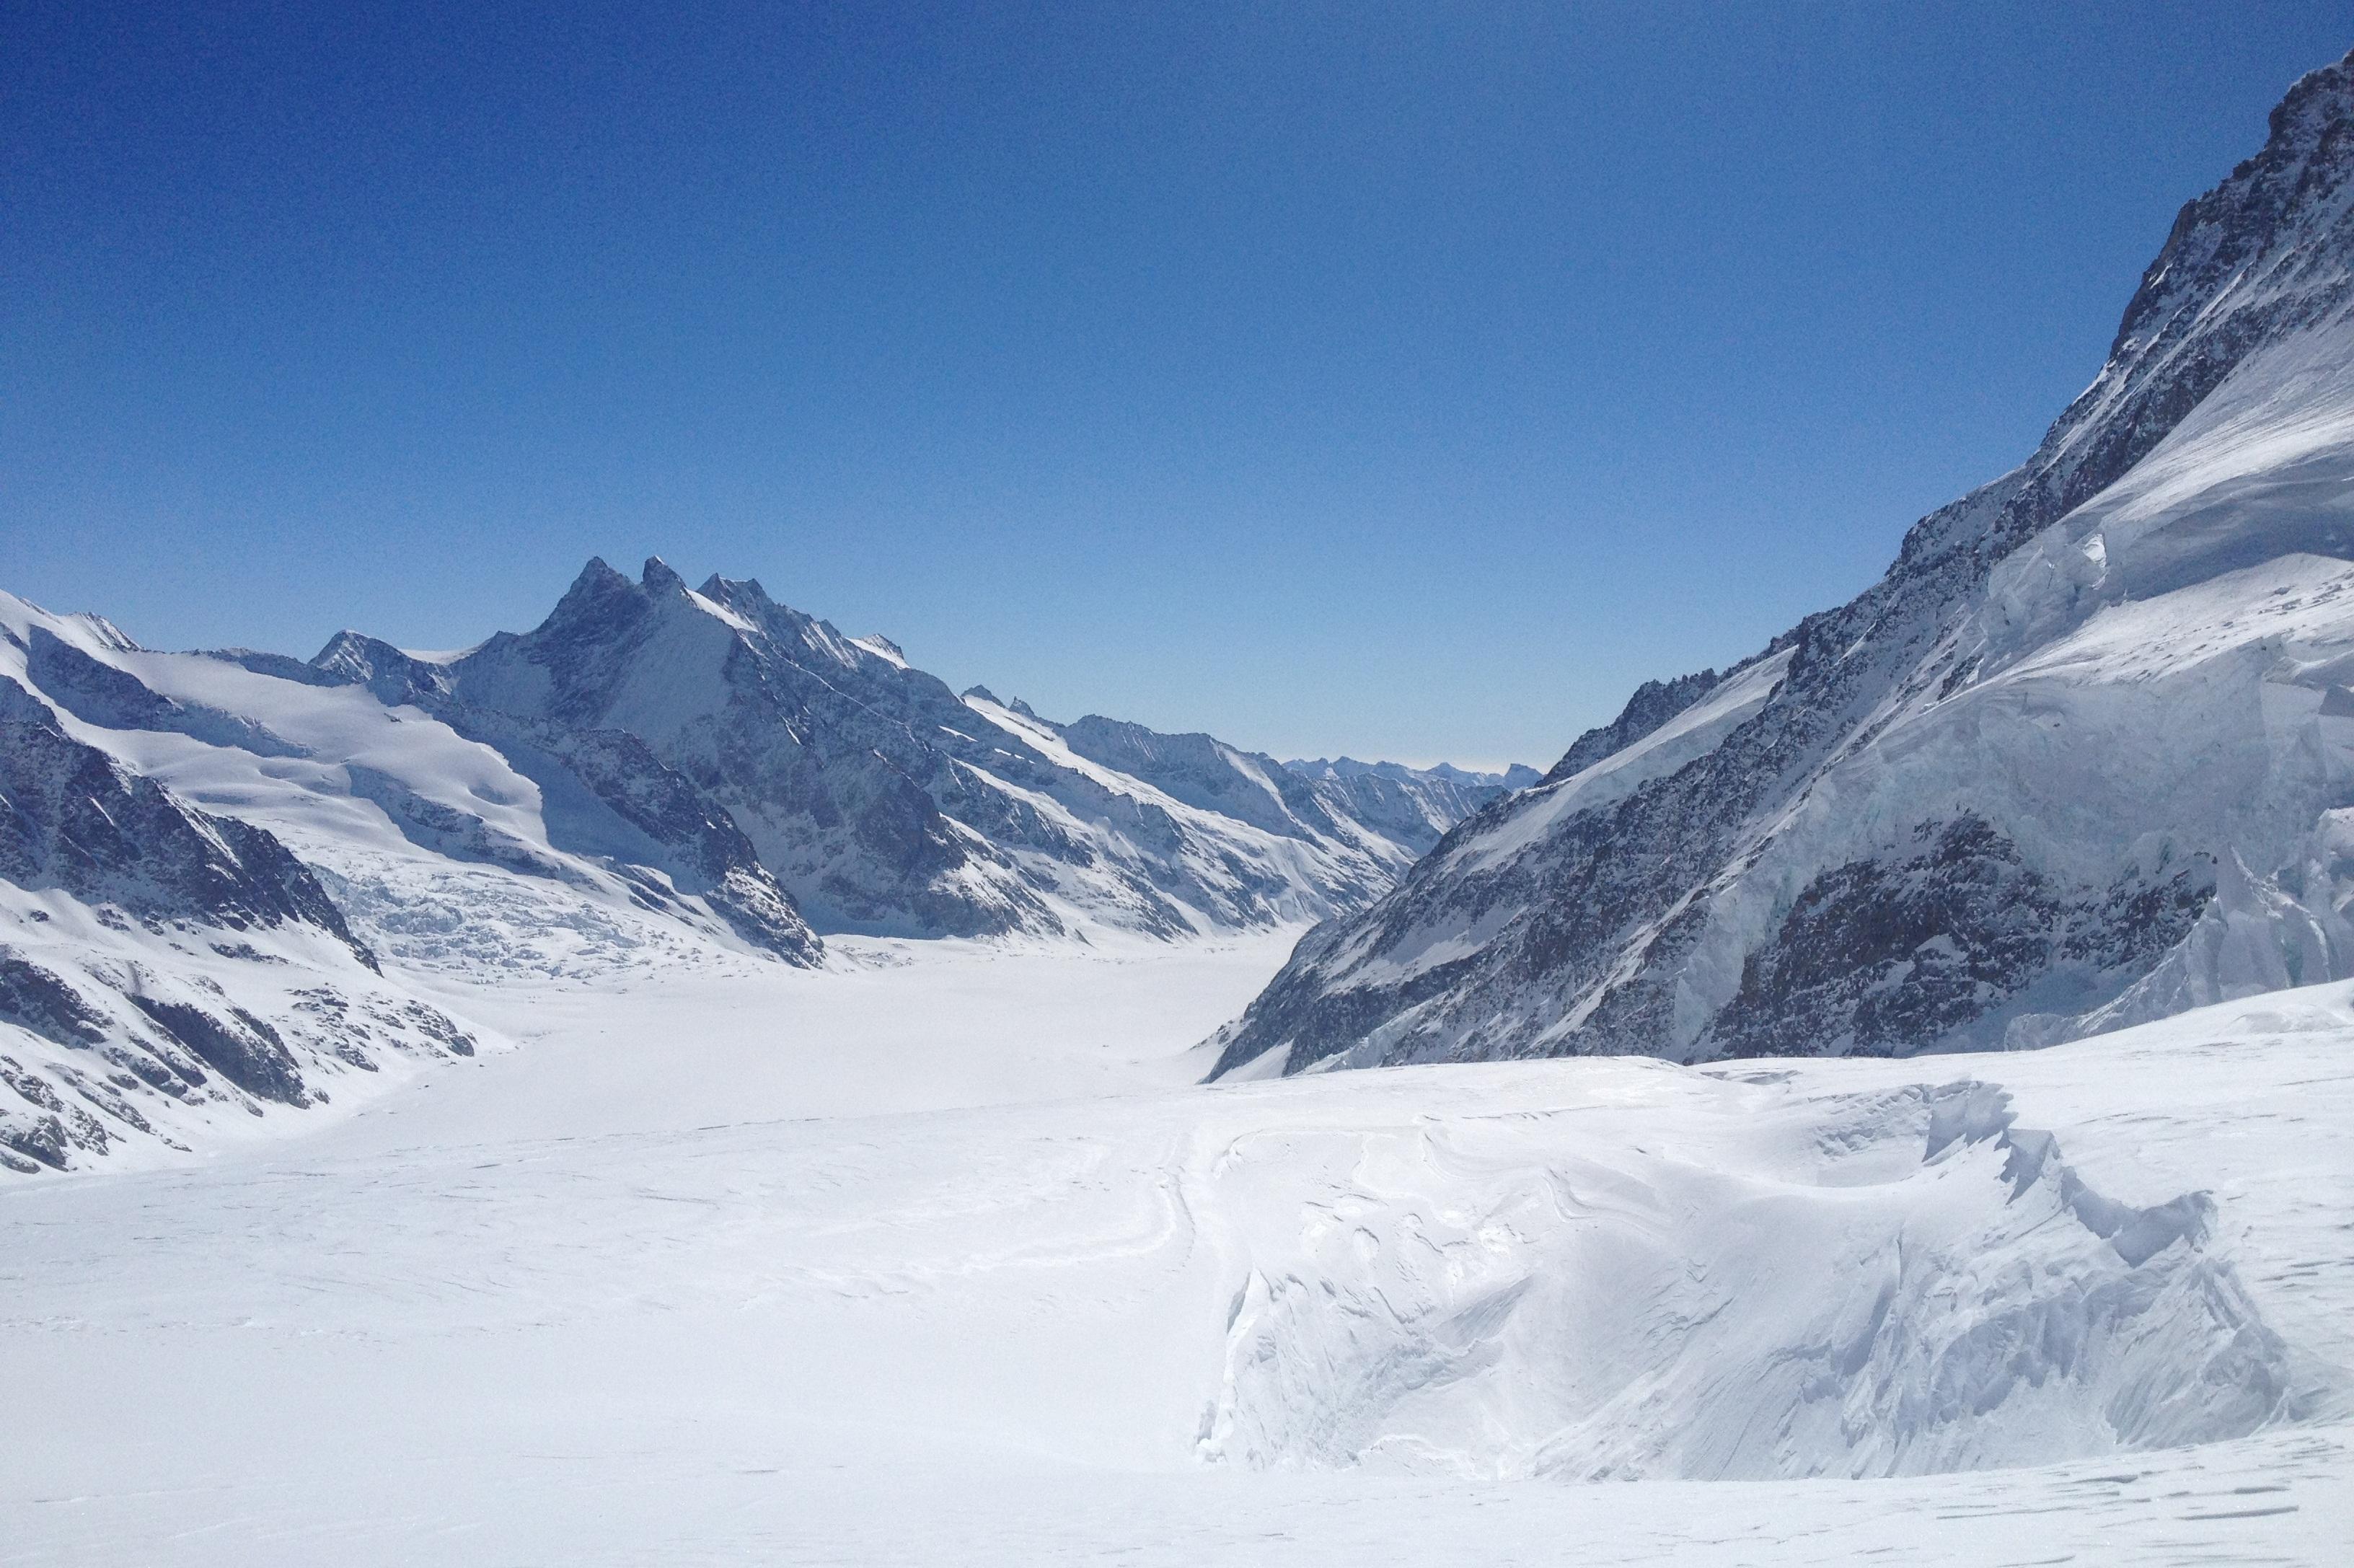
(1995, 797)
(1940, 1291)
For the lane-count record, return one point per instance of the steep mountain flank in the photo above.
(1994, 796)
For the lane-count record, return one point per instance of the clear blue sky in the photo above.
(1403, 379)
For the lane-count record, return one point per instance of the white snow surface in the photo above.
(420, 832)
(940, 1257)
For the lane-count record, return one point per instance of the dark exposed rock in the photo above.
(29, 1086)
(242, 1048)
(42, 1138)
(1653, 704)
(436, 1026)
(245, 952)
(39, 999)
(1885, 956)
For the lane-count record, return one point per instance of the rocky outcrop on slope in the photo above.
(1714, 872)
(1878, 956)
(1653, 705)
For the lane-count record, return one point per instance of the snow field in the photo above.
(941, 1258)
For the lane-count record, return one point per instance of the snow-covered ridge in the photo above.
(166, 973)
(2080, 758)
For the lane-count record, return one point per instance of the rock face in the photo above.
(780, 766)
(1994, 797)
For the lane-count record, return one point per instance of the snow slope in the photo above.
(2080, 759)
(972, 1274)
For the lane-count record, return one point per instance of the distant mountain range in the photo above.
(2083, 757)
(220, 872)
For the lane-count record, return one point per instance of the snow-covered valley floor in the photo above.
(942, 1258)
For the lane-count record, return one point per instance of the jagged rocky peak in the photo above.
(743, 595)
(2226, 247)
(603, 603)
(2004, 794)
(392, 675)
(2263, 254)
(600, 604)
(1011, 704)
(1653, 704)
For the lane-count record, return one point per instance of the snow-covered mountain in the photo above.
(2083, 757)
(232, 881)
(880, 799)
